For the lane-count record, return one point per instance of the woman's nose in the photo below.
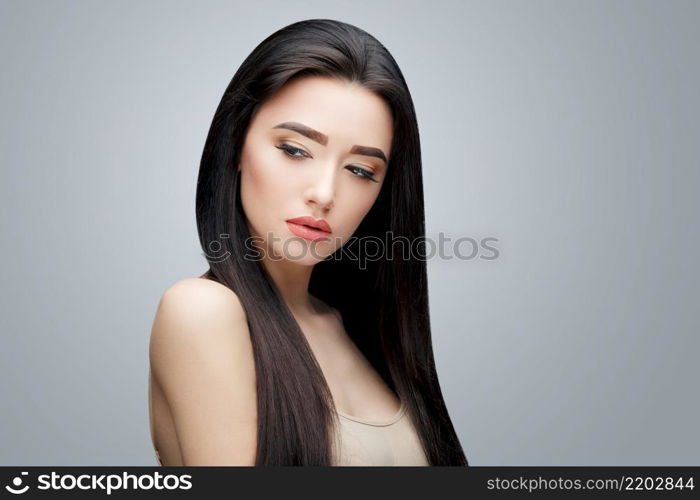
(322, 188)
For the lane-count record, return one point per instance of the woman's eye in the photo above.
(298, 153)
(292, 152)
(361, 172)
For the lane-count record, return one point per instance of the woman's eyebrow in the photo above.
(322, 139)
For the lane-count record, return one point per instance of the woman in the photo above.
(305, 345)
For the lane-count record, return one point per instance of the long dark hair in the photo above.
(383, 304)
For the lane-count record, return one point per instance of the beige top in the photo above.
(362, 442)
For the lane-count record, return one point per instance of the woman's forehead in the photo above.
(338, 110)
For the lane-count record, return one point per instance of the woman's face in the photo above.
(319, 148)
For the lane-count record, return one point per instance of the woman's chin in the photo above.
(303, 252)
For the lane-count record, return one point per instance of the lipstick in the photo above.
(309, 228)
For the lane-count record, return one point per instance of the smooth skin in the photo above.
(202, 393)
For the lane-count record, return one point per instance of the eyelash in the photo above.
(289, 150)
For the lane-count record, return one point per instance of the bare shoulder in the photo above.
(202, 357)
(199, 311)
(202, 292)
(198, 299)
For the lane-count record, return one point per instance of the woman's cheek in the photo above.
(257, 182)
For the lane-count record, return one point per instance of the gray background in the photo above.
(567, 130)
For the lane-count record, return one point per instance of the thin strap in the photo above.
(150, 419)
(392, 420)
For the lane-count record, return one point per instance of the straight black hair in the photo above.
(384, 306)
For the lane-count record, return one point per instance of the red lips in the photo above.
(319, 224)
